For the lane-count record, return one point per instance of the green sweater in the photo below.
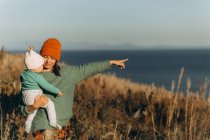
(34, 81)
(70, 76)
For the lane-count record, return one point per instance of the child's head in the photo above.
(34, 61)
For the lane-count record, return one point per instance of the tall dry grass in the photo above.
(119, 109)
(11, 65)
(107, 107)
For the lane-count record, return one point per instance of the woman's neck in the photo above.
(46, 70)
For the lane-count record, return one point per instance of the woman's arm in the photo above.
(90, 69)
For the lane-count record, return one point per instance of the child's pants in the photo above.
(29, 97)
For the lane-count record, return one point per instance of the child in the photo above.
(31, 85)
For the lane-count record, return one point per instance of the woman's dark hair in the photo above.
(56, 69)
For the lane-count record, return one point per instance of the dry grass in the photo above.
(11, 65)
(109, 108)
(119, 109)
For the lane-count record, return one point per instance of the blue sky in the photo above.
(148, 23)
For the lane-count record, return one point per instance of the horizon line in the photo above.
(140, 49)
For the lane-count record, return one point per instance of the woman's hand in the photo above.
(119, 63)
(40, 101)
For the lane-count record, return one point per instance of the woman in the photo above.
(65, 78)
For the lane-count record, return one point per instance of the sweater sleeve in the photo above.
(45, 85)
(23, 110)
(86, 70)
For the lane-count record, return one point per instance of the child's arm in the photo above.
(46, 86)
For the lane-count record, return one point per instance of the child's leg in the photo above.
(29, 96)
(28, 122)
(51, 114)
(28, 99)
(31, 116)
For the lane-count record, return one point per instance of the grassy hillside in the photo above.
(107, 107)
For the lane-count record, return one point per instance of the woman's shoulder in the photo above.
(65, 67)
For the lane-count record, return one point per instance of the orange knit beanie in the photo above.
(51, 47)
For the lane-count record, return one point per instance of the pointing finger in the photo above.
(124, 60)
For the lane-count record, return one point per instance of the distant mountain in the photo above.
(94, 46)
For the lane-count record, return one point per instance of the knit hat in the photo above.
(33, 60)
(51, 47)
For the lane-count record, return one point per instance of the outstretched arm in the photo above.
(90, 69)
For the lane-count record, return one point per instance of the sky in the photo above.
(147, 23)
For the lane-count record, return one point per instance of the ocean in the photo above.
(158, 67)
